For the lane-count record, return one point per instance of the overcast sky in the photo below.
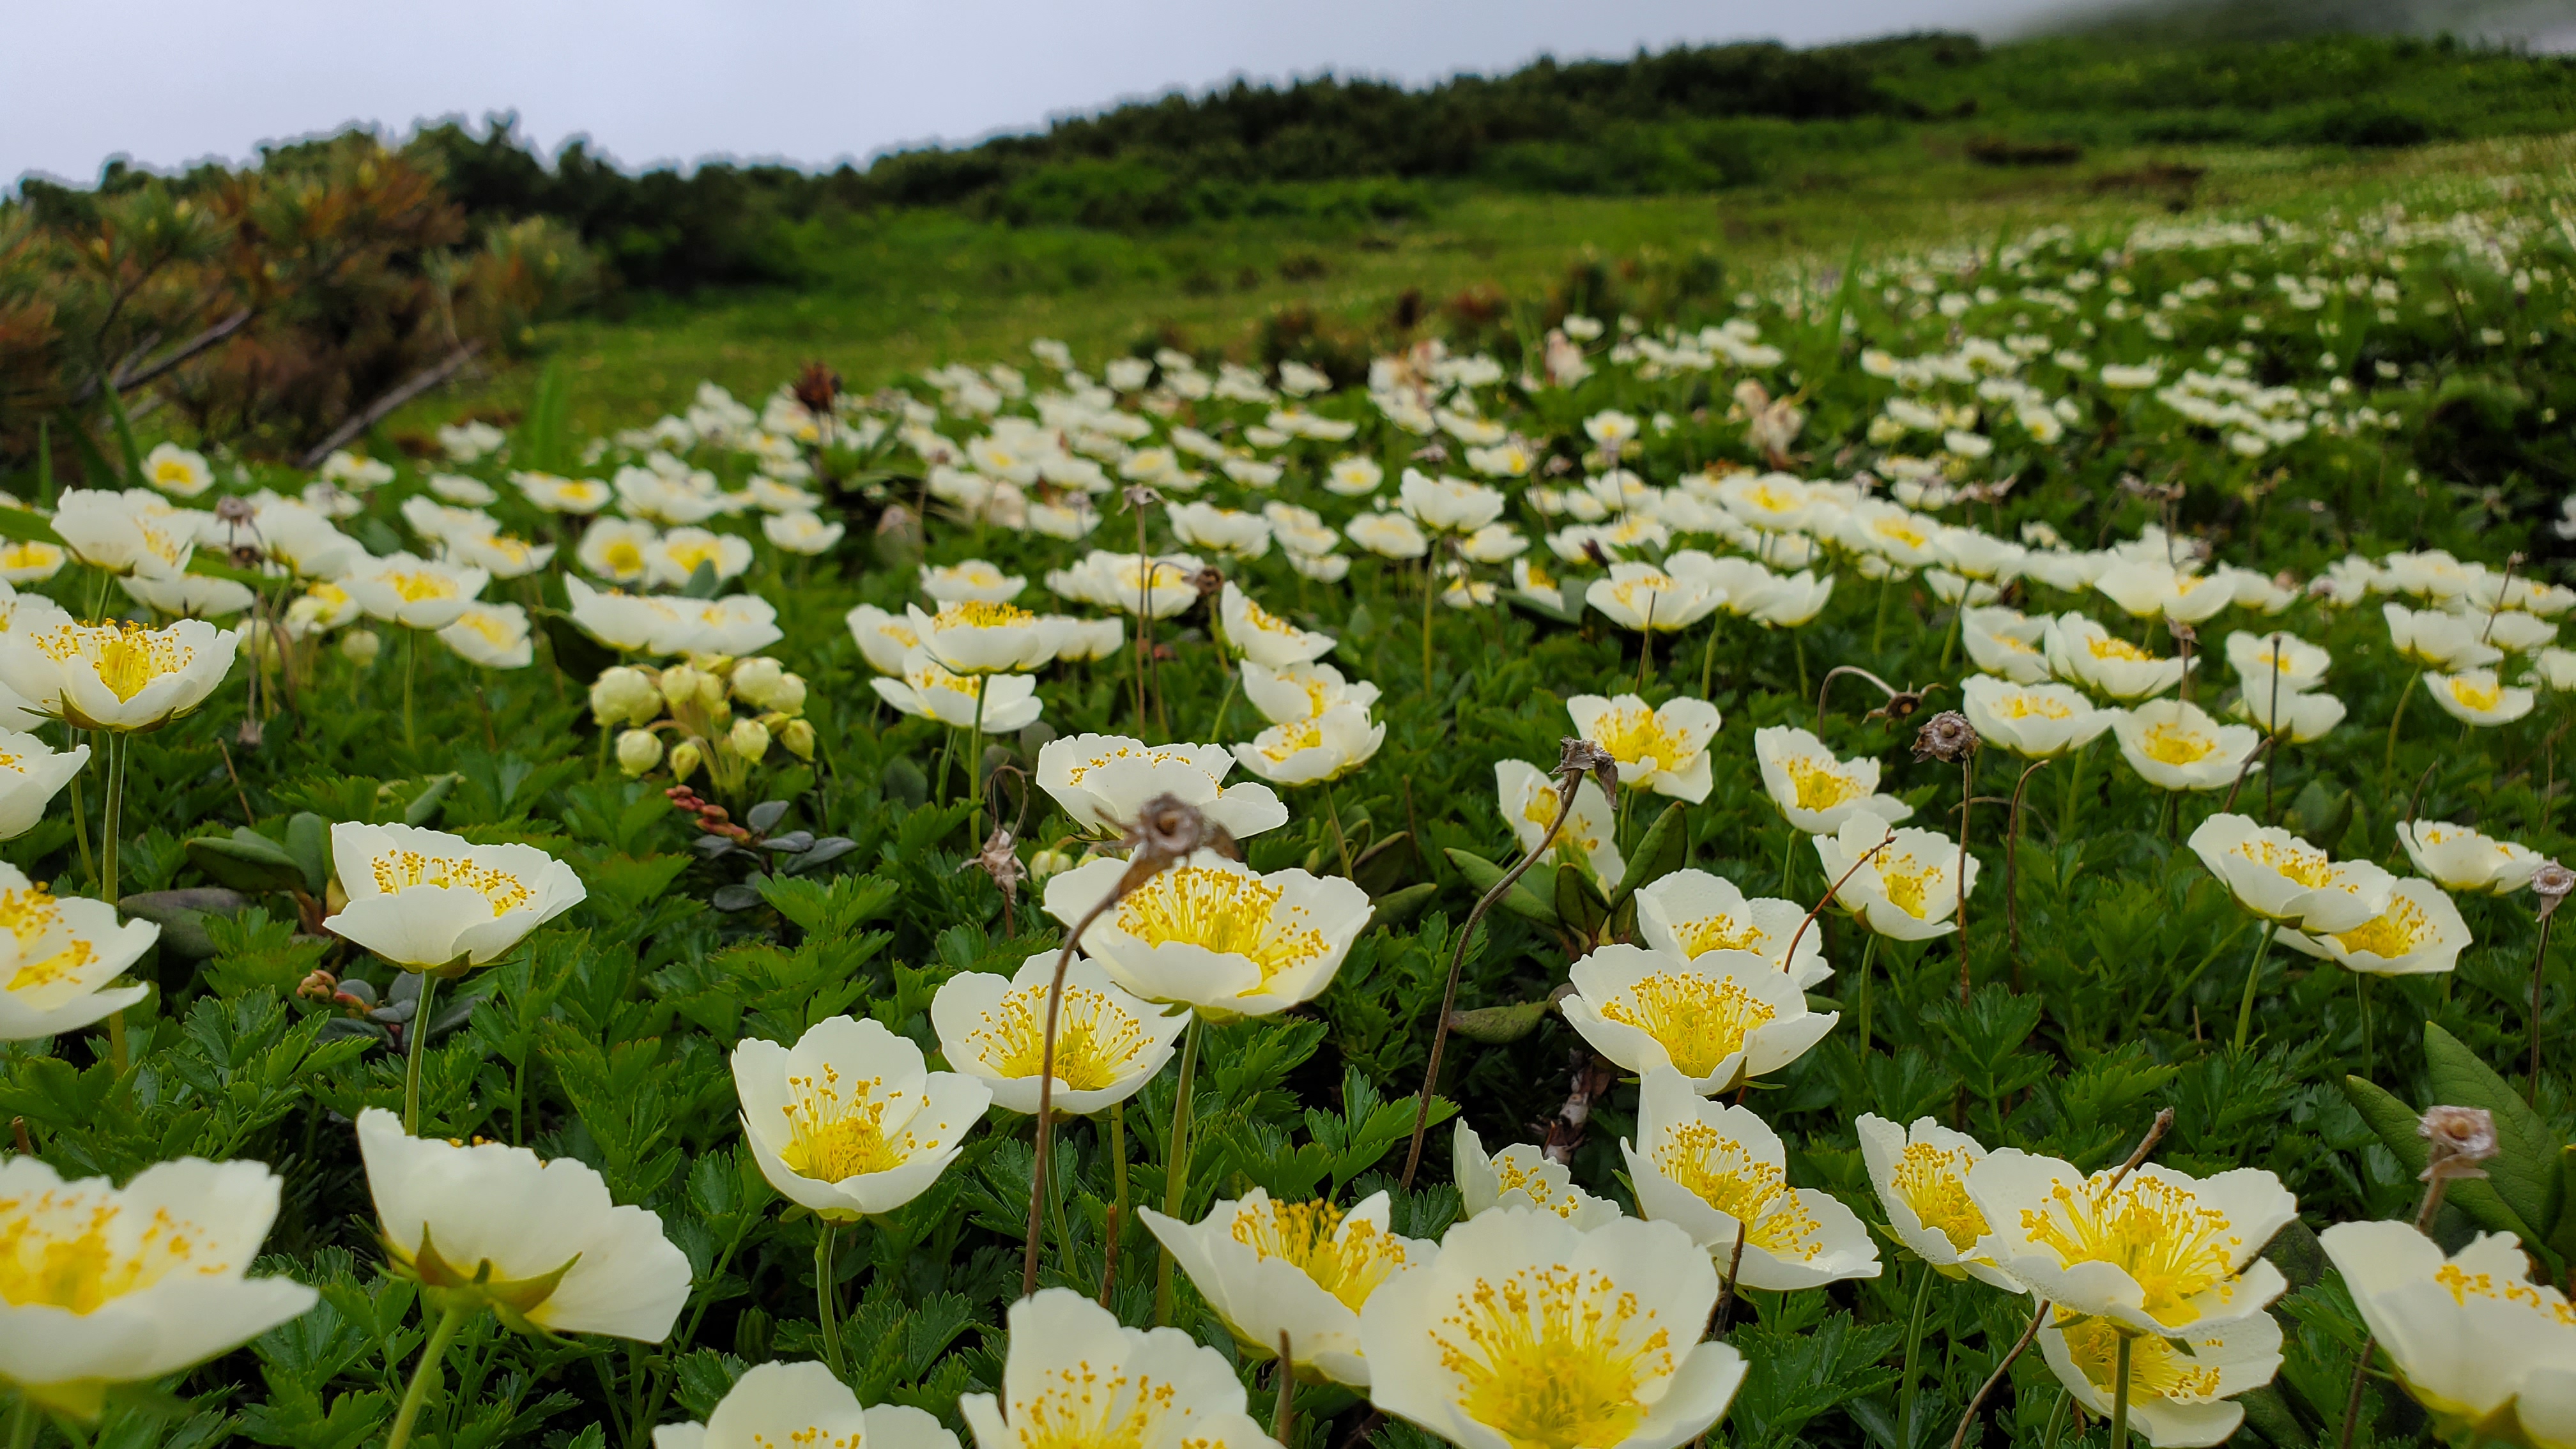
(168, 82)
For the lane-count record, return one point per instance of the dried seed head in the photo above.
(1139, 495)
(1580, 756)
(1207, 581)
(2552, 883)
(816, 387)
(236, 512)
(1947, 737)
(998, 860)
(1169, 827)
(2460, 1138)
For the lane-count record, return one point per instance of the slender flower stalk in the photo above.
(2551, 883)
(2253, 978)
(2012, 855)
(432, 1355)
(1949, 736)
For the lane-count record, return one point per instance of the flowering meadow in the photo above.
(1958, 851)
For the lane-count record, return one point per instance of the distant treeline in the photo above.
(1696, 118)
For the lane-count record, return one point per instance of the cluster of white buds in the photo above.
(723, 713)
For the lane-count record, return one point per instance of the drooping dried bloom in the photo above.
(2552, 883)
(1947, 737)
(2460, 1138)
(1584, 757)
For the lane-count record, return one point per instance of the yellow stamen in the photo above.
(1700, 1021)
(1347, 1260)
(1554, 1357)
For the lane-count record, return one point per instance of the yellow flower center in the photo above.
(981, 614)
(2023, 706)
(30, 555)
(832, 1138)
(1652, 587)
(127, 656)
(1554, 1357)
(1719, 932)
(1635, 736)
(2480, 695)
(2017, 646)
(401, 869)
(1721, 1172)
(1934, 1182)
(2158, 1232)
(1081, 1408)
(1230, 913)
(2294, 860)
(1698, 1020)
(1347, 1261)
(1096, 1039)
(2176, 744)
(623, 558)
(1292, 738)
(32, 918)
(2465, 1285)
(419, 585)
(688, 553)
(494, 627)
(1266, 622)
(59, 1248)
(1823, 784)
(2110, 646)
(1901, 531)
(173, 470)
(1511, 1175)
(1908, 883)
(2157, 1369)
(1164, 756)
(2399, 931)
(1538, 577)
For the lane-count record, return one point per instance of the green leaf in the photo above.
(124, 427)
(2394, 1122)
(308, 840)
(2524, 1171)
(577, 654)
(1578, 901)
(1666, 844)
(702, 583)
(424, 806)
(1520, 900)
(27, 526)
(1396, 907)
(247, 861)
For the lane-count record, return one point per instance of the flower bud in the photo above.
(787, 696)
(360, 647)
(1044, 862)
(638, 751)
(622, 695)
(749, 739)
(680, 684)
(684, 760)
(756, 679)
(711, 691)
(797, 737)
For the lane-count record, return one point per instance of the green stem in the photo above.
(1958, 627)
(2396, 717)
(411, 664)
(2245, 1009)
(1176, 1161)
(975, 762)
(1216, 728)
(1788, 858)
(1878, 630)
(416, 1044)
(2056, 1421)
(1907, 1393)
(2074, 792)
(1341, 842)
(826, 1310)
(1428, 574)
(2361, 992)
(1120, 1214)
(111, 826)
(1868, 953)
(80, 817)
(432, 1354)
(22, 1424)
(1708, 656)
(2120, 1396)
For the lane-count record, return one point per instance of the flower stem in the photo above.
(80, 815)
(416, 1043)
(1176, 1160)
(2120, 1395)
(827, 1314)
(2253, 977)
(1878, 629)
(1216, 727)
(2397, 716)
(2538, 958)
(1708, 656)
(1428, 573)
(22, 1424)
(975, 762)
(1118, 1213)
(411, 665)
(432, 1355)
(112, 825)
(1907, 1393)
(1341, 842)
(1868, 953)
(2074, 792)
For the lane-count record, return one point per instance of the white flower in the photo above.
(974, 580)
(1814, 791)
(2260, 659)
(2178, 1386)
(1528, 799)
(32, 773)
(1664, 750)
(2283, 879)
(1001, 703)
(1108, 1043)
(2034, 721)
(2177, 746)
(1529, 1331)
(2082, 652)
(1227, 532)
(116, 676)
(883, 638)
(804, 1405)
(1521, 1176)
(802, 531)
(187, 596)
(1261, 637)
(672, 560)
(2475, 1341)
(1719, 1171)
(1304, 1270)
(1353, 476)
(135, 531)
(563, 495)
(2300, 716)
(1307, 751)
(424, 899)
(1720, 1019)
(1532, 581)
(495, 1222)
(1921, 1176)
(1388, 535)
(500, 555)
(1448, 505)
(2463, 859)
(1214, 934)
(1692, 913)
(979, 638)
(2160, 1252)
(414, 592)
(472, 492)
(1075, 1379)
(112, 1285)
(1906, 892)
(2419, 932)
(2438, 639)
(1301, 691)
(616, 549)
(1079, 641)
(1643, 597)
(492, 635)
(2001, 641)
(2147, 589)
(57, 957)
(26, 561)
(179, 472)
(2478, 697)
(1103, 782)
(850, 1121)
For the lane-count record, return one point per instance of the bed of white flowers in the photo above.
(1868, 869)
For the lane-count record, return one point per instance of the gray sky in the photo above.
(167, 82)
